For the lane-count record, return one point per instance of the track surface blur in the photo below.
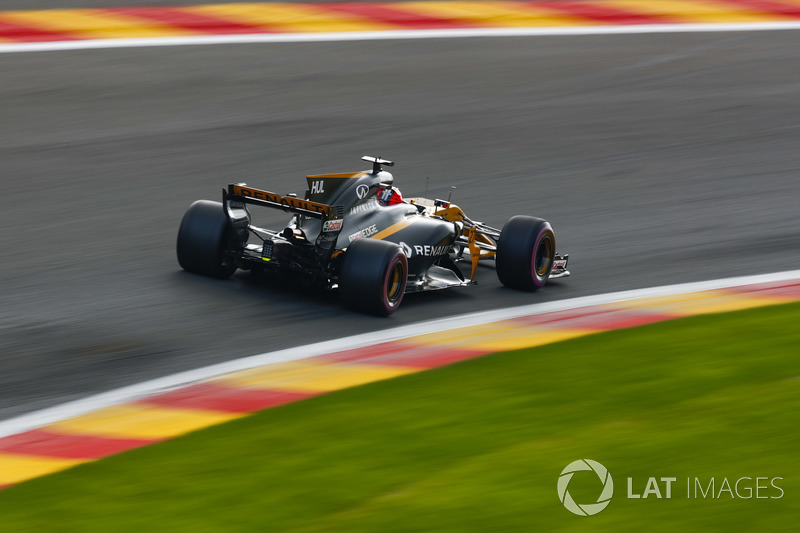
(658, 159)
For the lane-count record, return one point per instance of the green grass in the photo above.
(478, 446)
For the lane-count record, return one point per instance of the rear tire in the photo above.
(204, 236)
(525, 253)
(373, 277)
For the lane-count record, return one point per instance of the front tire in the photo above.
(204, 236)
(373, 277)
(525, 253)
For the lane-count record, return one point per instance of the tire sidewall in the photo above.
(517, 250)
(203, 237)
(365, 276)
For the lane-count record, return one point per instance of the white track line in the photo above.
(389, 35)
(75, 408)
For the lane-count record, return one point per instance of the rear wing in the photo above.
(249, 195)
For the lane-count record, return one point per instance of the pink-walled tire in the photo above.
(373, 277)
(526, 250)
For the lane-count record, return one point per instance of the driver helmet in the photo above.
(390, 196)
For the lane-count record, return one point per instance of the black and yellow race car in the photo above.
(352, 232)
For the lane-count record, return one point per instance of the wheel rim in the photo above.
(542, 258)
(394, 284)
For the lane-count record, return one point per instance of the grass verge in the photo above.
(479, 446)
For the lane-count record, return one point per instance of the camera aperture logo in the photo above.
(585, 509)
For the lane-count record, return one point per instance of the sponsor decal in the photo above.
(363, 208)
(366, 232)
(278, 200)
(362, 191)
(317, 187)
(332, 225)
(560, 263)
(425, 250)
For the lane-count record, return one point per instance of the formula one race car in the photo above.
(353, 232)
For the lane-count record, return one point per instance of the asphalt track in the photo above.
(658, 158)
